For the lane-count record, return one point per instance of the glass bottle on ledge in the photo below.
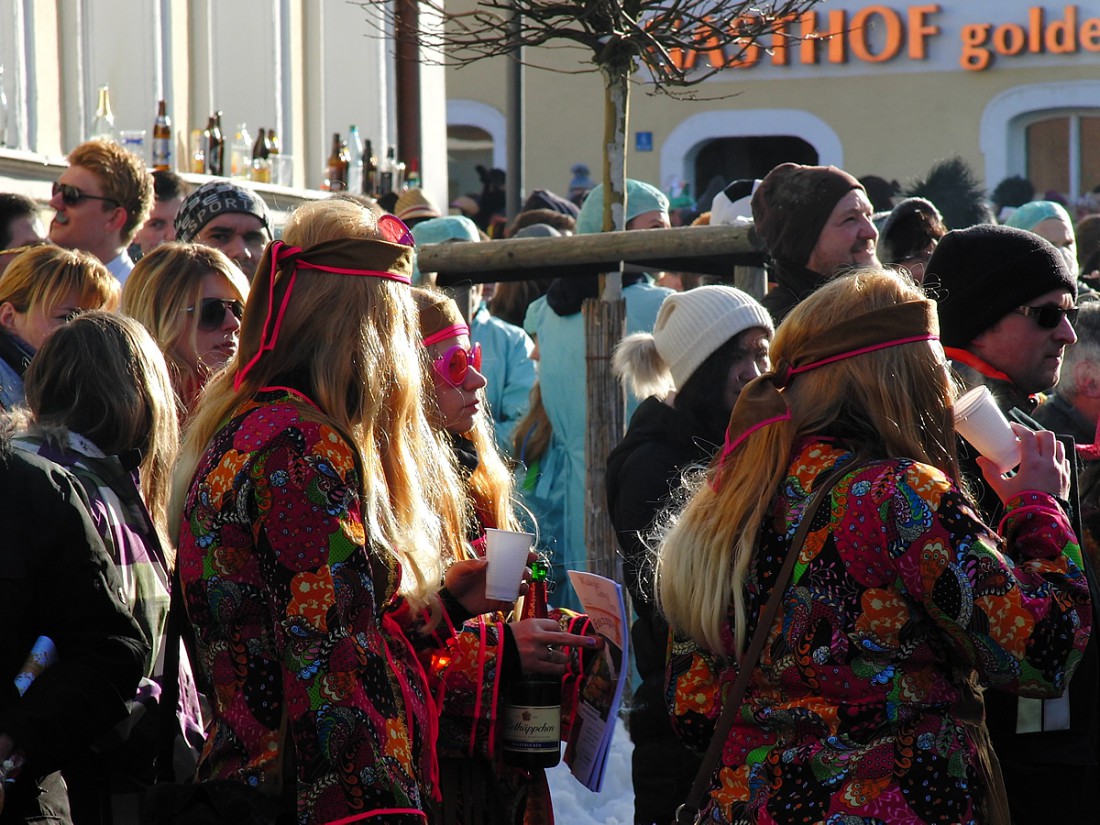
(162, 139)
(261, 167)
(103, 125)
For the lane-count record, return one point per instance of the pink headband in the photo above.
(346, 250)
(452, 331)
(761, 402)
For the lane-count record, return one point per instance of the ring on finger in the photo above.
(549, 653)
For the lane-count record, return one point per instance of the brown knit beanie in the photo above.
(792, 204)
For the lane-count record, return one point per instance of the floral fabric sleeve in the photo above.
(1024, 623)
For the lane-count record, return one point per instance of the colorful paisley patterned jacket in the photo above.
(852, 714)
(294, 614)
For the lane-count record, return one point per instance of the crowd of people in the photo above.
(294, 437)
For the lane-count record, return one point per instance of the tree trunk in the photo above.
(603, 329)
(604, 321)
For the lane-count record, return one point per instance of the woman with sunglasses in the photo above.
(488, 653)
(314, 515)
(190, 297)
(100, 405)
(44, 288)
(863, 702)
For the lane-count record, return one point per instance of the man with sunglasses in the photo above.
(1007, 304)
(100, 200)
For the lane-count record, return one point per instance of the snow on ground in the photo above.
(574, 804)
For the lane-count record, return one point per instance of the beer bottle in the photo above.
(215, 147)
(336, 170)
(162, 139)
(370, 172)
(531, 712)
(261, 167)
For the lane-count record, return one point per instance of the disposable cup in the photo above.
(980, 421)
(507, 552)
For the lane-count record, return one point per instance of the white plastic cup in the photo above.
(980, 421)
(507, 553)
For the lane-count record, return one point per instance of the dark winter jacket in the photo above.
(56, 580)
(792, 285)
(642, 472)
(1050, 768)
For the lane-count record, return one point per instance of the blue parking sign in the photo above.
(643, 141)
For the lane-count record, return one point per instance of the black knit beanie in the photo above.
(792, 204)
(979, 275)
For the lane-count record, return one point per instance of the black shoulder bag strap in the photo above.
(688, 812)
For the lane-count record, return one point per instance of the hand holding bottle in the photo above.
(544, 647)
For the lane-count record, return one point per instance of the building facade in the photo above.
(306, 68)
(1010, 86)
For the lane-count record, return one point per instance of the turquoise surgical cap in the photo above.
(1033, 213)
(640, 198)
(440, 230)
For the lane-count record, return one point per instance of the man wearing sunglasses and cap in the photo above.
(228, 217)
(1006, 304)
(100, 201)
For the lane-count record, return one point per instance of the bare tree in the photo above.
(659, 42)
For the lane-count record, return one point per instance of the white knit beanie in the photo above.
(693, 324)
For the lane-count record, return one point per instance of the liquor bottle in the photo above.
(162, 139)
(370, 172)
(215, 148)
(261, 167)
(240, 153)
(531, 712)
(280, 168)
(103, 125)
(336, 168)
(355, 160)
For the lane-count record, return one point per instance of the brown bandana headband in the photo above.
(761, 401)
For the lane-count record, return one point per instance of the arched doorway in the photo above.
(733, 158)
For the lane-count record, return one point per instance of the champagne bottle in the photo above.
(103, 126)
(162, 139)
(531, 712)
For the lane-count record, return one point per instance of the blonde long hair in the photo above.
(158, 293)
(891, 403)
(355, 341)
(491, 485)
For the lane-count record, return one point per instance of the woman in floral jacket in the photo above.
(313, 512)
(862, 707)
(487, 652)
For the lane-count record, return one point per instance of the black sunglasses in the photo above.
(212, 312)
(71, 196)
(1048, 316)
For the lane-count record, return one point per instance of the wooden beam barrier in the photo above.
(707, 250)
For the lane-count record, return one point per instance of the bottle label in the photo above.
(162, 152)
(531, 728)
